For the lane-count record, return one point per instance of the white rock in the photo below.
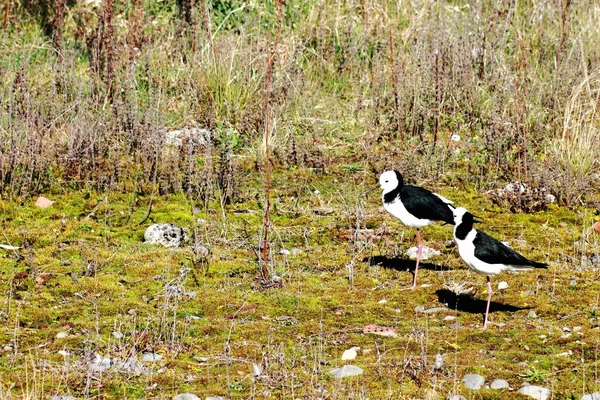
(345, 371)
(426, 253)
(537, 392)
(502, 285)
(449, 317)
(62, 335)
(593, 396)
(195, 136)
(350, 354)
(531, 315)
(473, 381)
(168, 235)
(438, 362)
(186, 396)
(499, 384)
(285, 252)
(455, 137)
(63, 353)
(216, 398)
(100, 364)
(151, 357)
(382, 301)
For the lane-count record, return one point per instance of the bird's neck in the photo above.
(389, 197)
(462, 230)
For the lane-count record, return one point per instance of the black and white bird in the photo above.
(484, 254)
(414, 206)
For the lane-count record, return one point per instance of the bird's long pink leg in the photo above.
(419, 251)
(487, 309)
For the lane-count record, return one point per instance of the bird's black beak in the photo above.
(370, 190)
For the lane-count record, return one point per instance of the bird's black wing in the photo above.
(492, 251)
(423, 204)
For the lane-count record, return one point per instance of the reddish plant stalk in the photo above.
(268, 82)
(436, 121)
(108, 40)
(395, 86)
(206, 23)
(58, 28)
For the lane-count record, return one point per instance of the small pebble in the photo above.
(499, 384)
(531, 315)
(151, 357)
(186, 396)
(438, 363)
(62, 335)
(345, 371)
(592, 396)
(573, 282)
(502, 285)
(456, 325)
(537, 392)
(473, 381)
(449, 317)
(285, 252)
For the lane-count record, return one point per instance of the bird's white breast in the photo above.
(397, 209)
(466, 250)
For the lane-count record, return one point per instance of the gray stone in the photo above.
(434, 310)
(151, 357)
(473, 381)
(193, 136)
(537, 392)
(499, 384)
(456, 325)
(532, 315)
(346, 370)
(186, 396)
(168, 235)
(438, 363)
(593, 396)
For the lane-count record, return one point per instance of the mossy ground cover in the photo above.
(80, 288)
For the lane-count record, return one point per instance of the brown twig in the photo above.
(268, 83)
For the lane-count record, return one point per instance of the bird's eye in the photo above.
(386, 181)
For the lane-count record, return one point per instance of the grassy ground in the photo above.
(96, 285)
(89, 90)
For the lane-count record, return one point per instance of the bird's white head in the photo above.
(459, 213)
(390, 180)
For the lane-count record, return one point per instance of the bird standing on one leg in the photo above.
(484, 254)
(414, 206)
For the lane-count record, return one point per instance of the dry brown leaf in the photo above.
(380, 330)
(597, 226)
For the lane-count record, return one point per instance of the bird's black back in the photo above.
(423, 204)
(492, 251)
